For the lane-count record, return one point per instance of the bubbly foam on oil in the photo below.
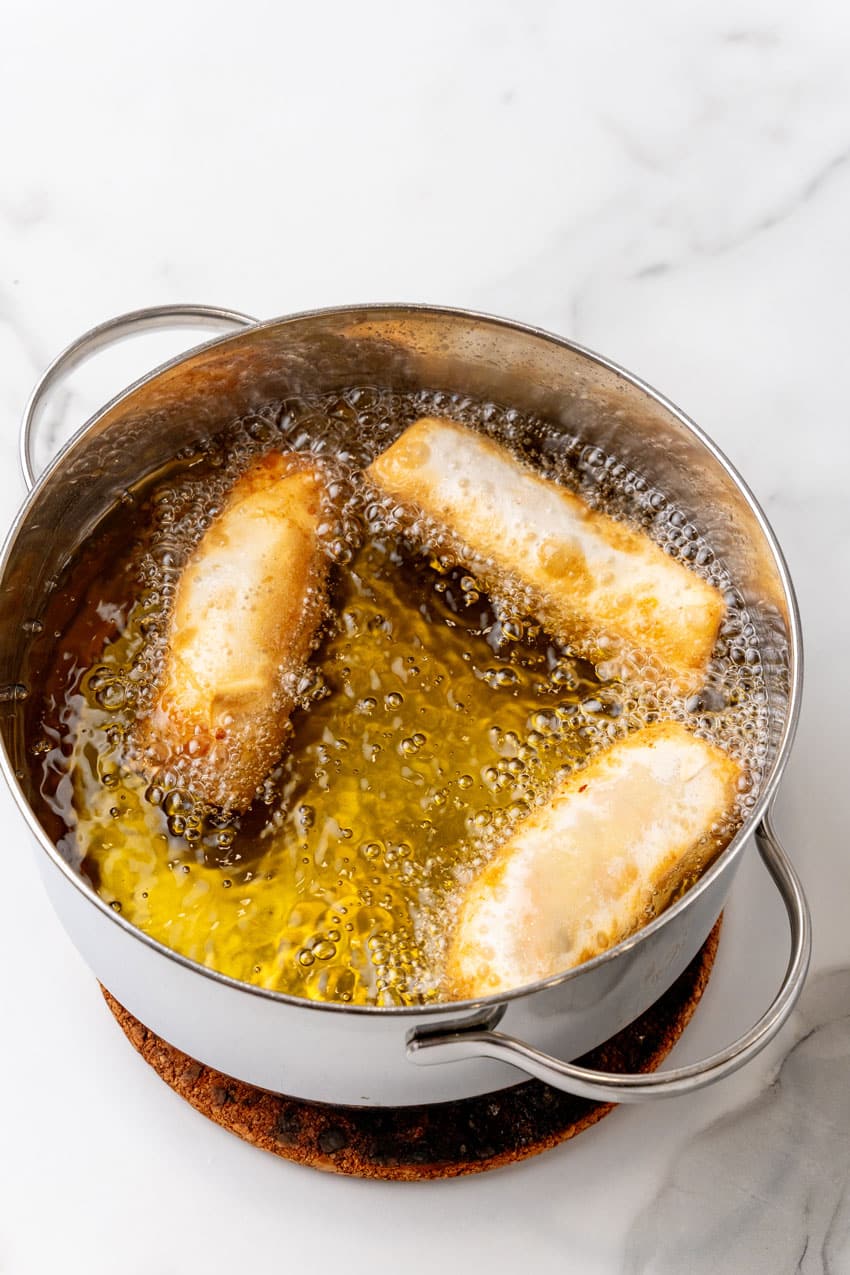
(430, 717)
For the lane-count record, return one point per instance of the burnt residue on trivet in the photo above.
(437, 1140)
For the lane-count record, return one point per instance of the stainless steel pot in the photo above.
(354, 1055)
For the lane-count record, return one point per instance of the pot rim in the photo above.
(448, 1008)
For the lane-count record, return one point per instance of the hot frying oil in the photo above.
(430, 719)
(420, 740)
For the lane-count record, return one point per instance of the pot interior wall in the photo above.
(401, 348)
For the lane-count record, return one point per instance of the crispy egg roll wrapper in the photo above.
(244, 619)
(596, 862)
(594, 580)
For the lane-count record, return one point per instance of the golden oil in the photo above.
(430, 720)
(420, 742)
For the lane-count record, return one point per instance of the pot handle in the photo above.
(437, 1046)
(110, 333)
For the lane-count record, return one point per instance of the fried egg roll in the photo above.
(245, 614)
(593, 580)
(595, 863)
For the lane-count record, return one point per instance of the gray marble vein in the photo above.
(767, 1187)
(10, 318)
(761, 38)
(796, 199)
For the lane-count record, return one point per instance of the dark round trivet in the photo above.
(440, 1140)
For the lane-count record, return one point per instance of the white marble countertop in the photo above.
(670, 187)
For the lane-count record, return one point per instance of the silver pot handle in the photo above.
(429, 1046)
(110, 333)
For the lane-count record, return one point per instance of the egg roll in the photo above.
(593, 580)
(596, 862)
(244, 620)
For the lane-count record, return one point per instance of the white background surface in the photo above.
(668, 185)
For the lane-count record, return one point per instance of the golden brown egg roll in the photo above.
(595, 863)
(244, 619)
(594, 581)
